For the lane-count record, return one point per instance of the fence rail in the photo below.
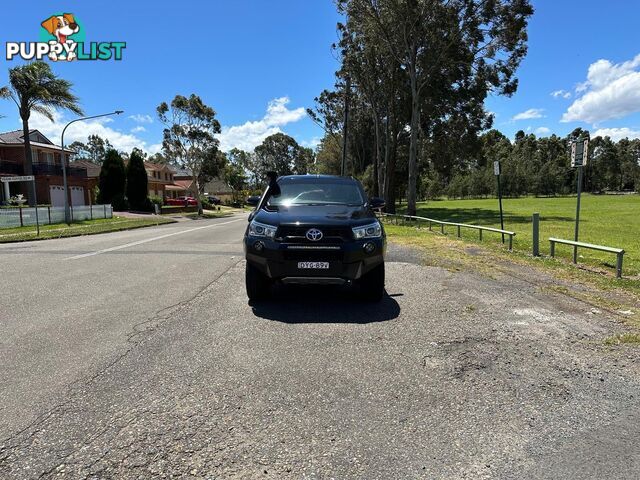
(458, 226)
(619, 252)
(28, 216)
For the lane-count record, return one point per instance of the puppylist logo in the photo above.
(62, 38)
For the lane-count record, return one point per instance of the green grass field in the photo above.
(87, 227)
(611, 220)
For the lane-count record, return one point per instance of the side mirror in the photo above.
(253, 200)
(376, 203)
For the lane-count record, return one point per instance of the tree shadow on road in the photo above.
(299, 304)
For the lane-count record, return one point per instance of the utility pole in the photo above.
(345, 126)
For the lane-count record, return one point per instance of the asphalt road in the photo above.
(136, 355)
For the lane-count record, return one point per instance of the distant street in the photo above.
(136, 355)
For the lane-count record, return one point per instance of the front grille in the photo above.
(330, 235)
(313, 255)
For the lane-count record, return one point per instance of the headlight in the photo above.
(373, 230)
(257, 229)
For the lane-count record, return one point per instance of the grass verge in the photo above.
(610, 220)
(87, 227)
(557, 276)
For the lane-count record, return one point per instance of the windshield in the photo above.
(317, 193)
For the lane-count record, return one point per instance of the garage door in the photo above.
(77, 196)
(56, 193)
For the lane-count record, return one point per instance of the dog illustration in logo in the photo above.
(61, 27)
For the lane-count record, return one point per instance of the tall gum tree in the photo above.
(453, 51)
(189, 135)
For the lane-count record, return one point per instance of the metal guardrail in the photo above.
(459, 226)
(619, 252)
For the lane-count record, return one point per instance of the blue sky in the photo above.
(260, 63)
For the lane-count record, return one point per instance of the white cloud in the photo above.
(541, 131)
(251, 134)
(138, 129)
(81, 130)
(612, 91)
(139, 118)
(561, 93)
(313, 143)
(528, 114)
(617, 133)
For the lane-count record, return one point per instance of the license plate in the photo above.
(314, 265)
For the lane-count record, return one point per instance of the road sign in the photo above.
(496, 167)
(579, 153)
(24, 178)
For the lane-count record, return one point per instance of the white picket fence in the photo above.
(19, 217)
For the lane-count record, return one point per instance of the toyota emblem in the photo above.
(314, 235)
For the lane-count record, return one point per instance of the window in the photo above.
(49, 158)
(317, 193)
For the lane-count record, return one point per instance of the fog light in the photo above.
(369, 247)
(258, 246)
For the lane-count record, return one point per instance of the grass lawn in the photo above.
(87, 227)
(611, 220)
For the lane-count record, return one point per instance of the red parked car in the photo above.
(182, 201)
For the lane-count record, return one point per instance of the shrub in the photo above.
(112, 179)
(137, 183)
(120, 203)
(156, 200)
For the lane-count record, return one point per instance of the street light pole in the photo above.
(67, 213)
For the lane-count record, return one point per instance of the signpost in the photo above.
(579, 156)
(23, 178)
(496, 172)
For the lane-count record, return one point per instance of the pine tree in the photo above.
(137, 183)
(112, 181)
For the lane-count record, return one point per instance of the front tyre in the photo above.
(258, 284)
(372, 284)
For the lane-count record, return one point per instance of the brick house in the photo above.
(47, 169)
(183, 186)
(159, 176)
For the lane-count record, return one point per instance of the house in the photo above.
(47, 169)
(219, 188)
(159, 176)
(93, 174)
(183, 186)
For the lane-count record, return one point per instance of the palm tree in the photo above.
(35, 88)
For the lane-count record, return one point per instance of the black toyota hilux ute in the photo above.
(315, 229)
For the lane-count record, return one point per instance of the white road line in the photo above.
(147, 240)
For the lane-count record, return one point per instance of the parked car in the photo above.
(213, 200)
(182, 201)
(315, 229)
(253, 200)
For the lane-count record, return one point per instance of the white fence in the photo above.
(19, 217)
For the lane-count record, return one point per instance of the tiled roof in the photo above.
(217, 185)
(183, 172)
(12, 137)
(158, 166)
(15, 138)
(93, 170)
